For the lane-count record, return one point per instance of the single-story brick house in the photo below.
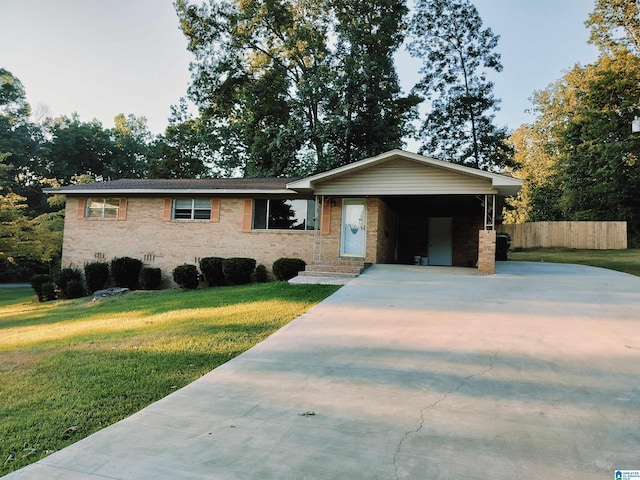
(390, 208)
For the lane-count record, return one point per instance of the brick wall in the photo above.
(166, 244)
(386, 233)
(465, 240)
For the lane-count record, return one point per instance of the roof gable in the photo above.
(403, 173)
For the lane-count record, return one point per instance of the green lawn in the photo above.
(69, 368)
(621, 260)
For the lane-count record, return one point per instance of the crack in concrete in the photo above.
(433, 405)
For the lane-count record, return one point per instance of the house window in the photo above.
(191, 209)
(103, 208)
(271, 214)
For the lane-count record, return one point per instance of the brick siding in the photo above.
(167, 244)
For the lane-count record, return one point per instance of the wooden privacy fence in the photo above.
(587, 235)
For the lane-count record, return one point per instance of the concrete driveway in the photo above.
(407, 372)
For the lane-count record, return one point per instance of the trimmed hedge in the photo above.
(96, 274)
(125, 272)
(48, 291)
(261, 274)
(150, 278)
(67, 275)
(237, 271)
(37, 282)
(75, 289)
(287, 268)
(186, 276)
(211, 268)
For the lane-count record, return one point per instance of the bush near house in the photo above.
(238, 270)
(211, 268)
(150, 278)
(261, 274)
(287, 268)
(96, 275)
(67, 275)
(48, 291)
(125, 272)
(75, 289)
(37, 281)
(186, 276)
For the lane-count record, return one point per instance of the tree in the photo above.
(186, 150)
(615, 24)
(128, 156)
(75, 148)
(457, 53)
(21, 141)
(271, 79)
(368, 115)
(600, 165)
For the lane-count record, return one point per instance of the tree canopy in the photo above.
(457, 53)
(579, 159)
(297, 86)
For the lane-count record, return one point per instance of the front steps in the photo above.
(346, 269)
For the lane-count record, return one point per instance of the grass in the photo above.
(69, 368)
(627, 261)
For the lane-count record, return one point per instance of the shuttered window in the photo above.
(285, 214)
(191, 209)
(104, 208)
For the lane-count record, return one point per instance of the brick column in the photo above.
(487, 252)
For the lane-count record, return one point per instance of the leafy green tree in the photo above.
(457, 53)
(128, 156)
(21, 142)
(259, 65)
(272, 79)
(76, 148)
(600, 165)
(368, 115)
(535, 162)
(615, 24)
(184, 151)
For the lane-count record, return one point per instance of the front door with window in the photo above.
(354, 221)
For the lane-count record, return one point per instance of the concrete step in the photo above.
(335, 268)
(320, 273)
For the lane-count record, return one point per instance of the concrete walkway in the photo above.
(407, 372)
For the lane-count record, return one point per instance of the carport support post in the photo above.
(487, 252)
(487, 238)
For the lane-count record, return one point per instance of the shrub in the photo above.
(37, 281)
(150, 278)
(67, 275)
(261, 274)
(125, 272)
(237, 271)
(75, 289)
(186, 276)
(287, 268)
(48, 291)
(211, 268)
(96, 274)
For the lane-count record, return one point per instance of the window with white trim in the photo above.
(191, 209)
(102, 208)
(283, 214)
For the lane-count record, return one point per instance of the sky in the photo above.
(100, 58)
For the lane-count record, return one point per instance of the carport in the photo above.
(399, 206)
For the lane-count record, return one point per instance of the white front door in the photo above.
(440, 232)
(354, 221)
